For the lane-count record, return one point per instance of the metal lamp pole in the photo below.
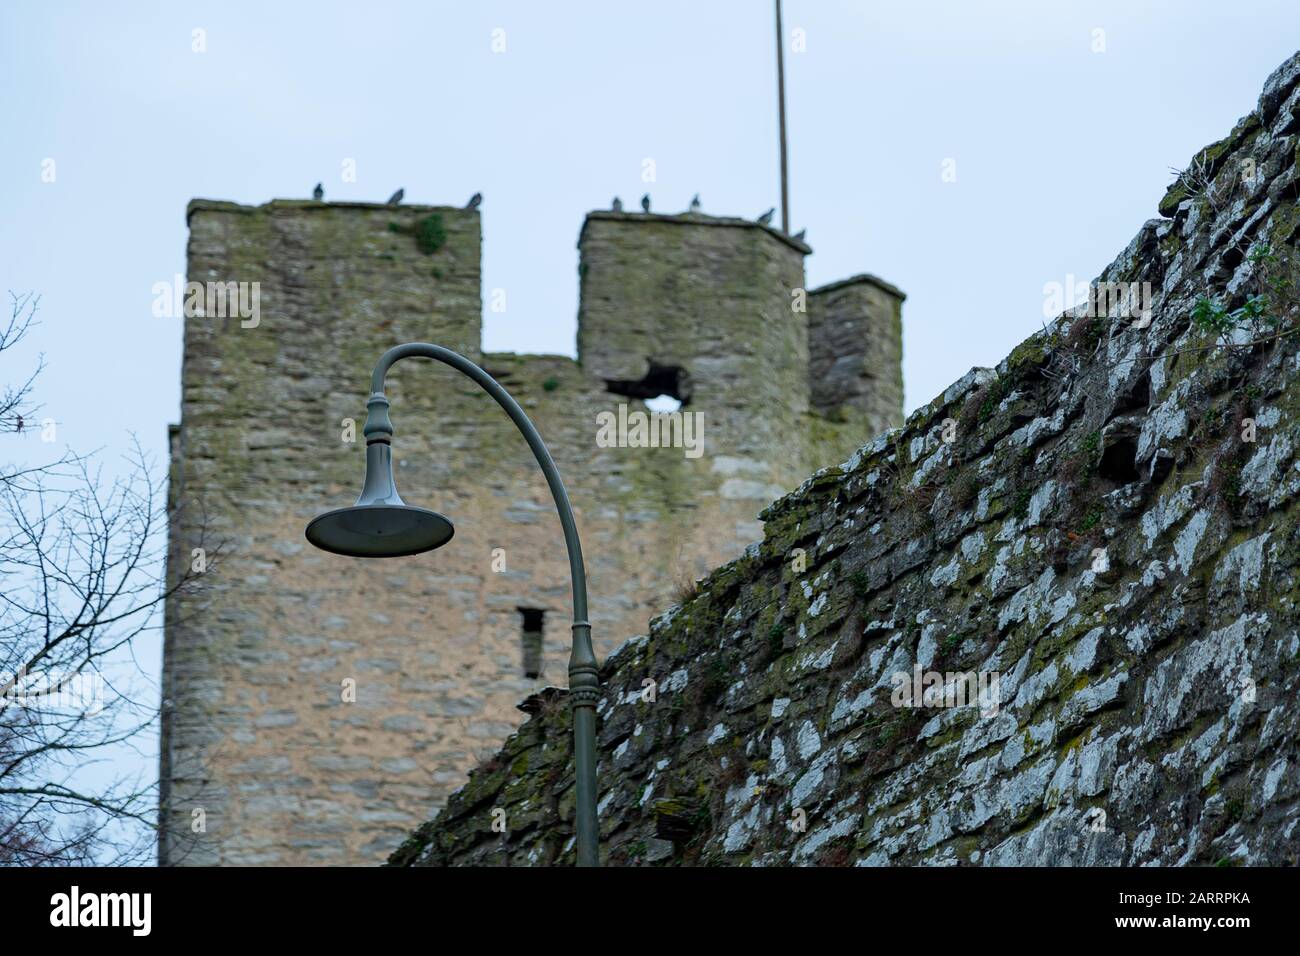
(380, 524)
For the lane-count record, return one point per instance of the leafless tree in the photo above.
(81, 578)
(16, 408)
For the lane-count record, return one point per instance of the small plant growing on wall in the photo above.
(429, 231)
(1264, 314)
(430, 234)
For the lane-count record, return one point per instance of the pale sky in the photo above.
(1061, 150)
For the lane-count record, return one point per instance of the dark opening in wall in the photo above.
(1233, 256)
(1136, 397)
(1118, 460)
(531, 639)
(671, 380)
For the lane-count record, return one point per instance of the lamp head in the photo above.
(380, 524)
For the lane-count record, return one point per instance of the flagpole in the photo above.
(780, 99)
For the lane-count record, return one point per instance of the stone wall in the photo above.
(855, 341)
(265, 758)
(1103, 531)
(711, 300)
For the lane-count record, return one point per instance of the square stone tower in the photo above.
(316, 707)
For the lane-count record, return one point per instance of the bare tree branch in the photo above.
(82, 577)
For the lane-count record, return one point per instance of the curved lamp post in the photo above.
(381, 525)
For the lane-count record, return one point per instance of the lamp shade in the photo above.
(380, 524)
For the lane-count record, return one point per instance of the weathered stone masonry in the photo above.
(1099, 532)
(256, 734)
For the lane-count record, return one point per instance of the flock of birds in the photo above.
(765, 219)
(395, 199)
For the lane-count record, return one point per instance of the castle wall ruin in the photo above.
(316, 707)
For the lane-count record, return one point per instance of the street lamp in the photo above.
(381, 525)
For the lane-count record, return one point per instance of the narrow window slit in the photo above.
(531, 640)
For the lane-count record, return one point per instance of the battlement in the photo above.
(699, 308)
(704, 308)
(855, 351)
(225, 205)
(694, 219)
(427, 259)
(862, 278)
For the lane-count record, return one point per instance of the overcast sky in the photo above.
(1061, 119)
(1059, 152)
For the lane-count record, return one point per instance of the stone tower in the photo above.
(316, 707)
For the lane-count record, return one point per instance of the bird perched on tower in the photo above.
(617, 204)
(318, 193)
(800, 234)
(645, 203)
(695, 203)
(474, 201)
(396, 198)
(766, 218)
